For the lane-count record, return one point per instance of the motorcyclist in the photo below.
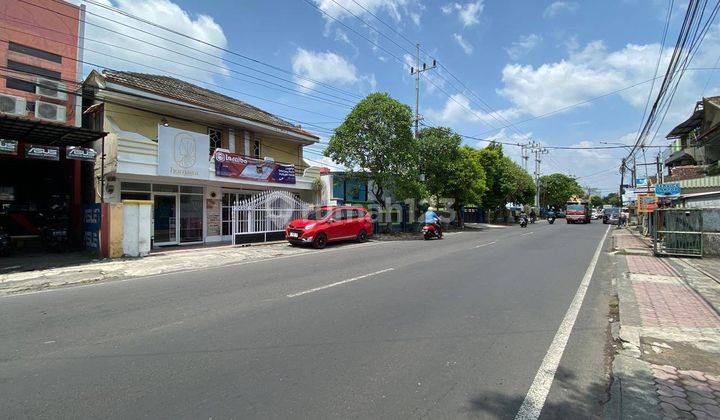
(431, 218)
(533, 216)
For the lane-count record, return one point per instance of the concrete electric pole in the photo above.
(538, 151)
(415, 71)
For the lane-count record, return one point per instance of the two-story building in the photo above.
(192, 151)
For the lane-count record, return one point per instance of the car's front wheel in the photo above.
(320, 241)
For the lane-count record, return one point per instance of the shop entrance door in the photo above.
(165, 219)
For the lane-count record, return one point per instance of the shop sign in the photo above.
(92, 217)
(182, 153)
(629, 197)
(232, 165)
(641, 182)
(8, 147)
(33, 151)
(668, 190)
(80, 153)
(646, 203)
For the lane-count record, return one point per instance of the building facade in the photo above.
(46, 165)
(192, 151)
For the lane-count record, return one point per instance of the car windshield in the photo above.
(575, 207)
(318, 214)
(612, 212)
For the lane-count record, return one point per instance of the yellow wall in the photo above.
(145, 123)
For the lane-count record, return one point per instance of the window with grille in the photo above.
(256, 149)
(215, 139)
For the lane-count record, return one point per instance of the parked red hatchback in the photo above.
(329, 224)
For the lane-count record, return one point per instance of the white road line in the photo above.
(529, 233)
(305, 292)
(487, 244)
(538, 392)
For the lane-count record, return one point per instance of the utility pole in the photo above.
(415, 71)
(622, 179)
(538, 151)
(659, 178)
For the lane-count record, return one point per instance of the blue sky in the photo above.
(522, 58)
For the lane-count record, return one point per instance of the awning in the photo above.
(45, 133)
(688, 125)
(679, 155)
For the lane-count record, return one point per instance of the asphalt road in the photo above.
(455, 328)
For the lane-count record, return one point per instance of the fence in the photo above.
(677, 232)
(265, 216)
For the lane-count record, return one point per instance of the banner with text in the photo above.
(232, 165)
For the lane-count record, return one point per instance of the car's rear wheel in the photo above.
(362, 236)
(320, 241)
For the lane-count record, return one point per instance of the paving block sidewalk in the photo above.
(668, 362)
(156, 263)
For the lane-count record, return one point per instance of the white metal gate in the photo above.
(264, 217)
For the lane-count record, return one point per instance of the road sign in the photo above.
(668, 190)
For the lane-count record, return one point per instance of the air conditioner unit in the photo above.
(12, 105)
(49, 88)
(49, 112)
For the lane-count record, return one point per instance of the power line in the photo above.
(223, 49)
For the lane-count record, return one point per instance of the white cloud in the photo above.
(342, 9)
(468, 13)
(466, 46)
(323, 67)
(458, 110)
(415, 18)
(523, 45)
(558, 7)
(585, 73)
(162, 12)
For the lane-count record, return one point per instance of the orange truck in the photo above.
(577, 211)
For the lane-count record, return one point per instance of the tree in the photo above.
(596, 201)
(376, 140)
(557, 189)
(612, 199)
(506, 180)
(466, 183)
(439, 148)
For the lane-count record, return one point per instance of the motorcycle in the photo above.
(430, 230)
(55, 233)
(523, 221)
(551, 218)
(533, 219)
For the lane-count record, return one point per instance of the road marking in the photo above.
(538, 392)
(487, 244)
(317, 289)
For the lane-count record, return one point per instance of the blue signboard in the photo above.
(641, 182)
(92, 218)
(667, 190)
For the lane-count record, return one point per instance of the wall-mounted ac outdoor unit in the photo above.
(49, 88)
(12, 105)
(50, 112)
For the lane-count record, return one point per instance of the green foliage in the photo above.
(612, 199)
(506, 181)
(556, 189)
(596, 201)
(439, 149)
(376, 139)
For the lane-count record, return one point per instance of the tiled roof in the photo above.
(177, 89)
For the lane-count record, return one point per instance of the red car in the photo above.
(328, 224)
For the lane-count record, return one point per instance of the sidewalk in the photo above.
(156, 263)
(667, 361)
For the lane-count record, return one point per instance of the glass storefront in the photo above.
(178, 213)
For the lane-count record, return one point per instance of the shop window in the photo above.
(191, 190)
(164, 188)
(215, 135)
(131, 195)
(134, 186)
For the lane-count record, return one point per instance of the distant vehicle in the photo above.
(577, 212)
(597, 214)
(611, 216)
(329, 224)
(560, 214)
